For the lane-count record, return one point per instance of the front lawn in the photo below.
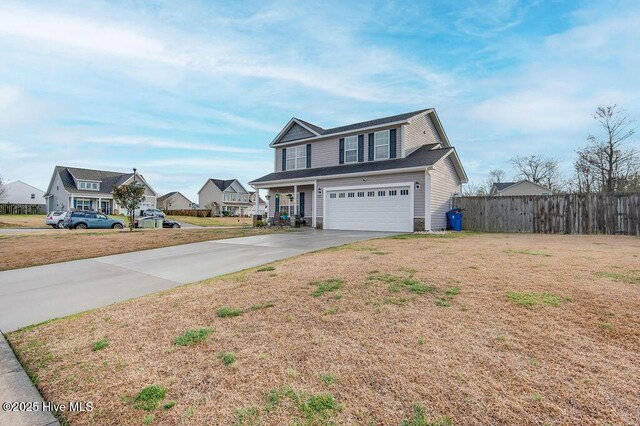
(214, 221)
(22, 221)
(41, 248)
(478, 329)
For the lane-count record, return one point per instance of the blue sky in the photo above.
(189, 90)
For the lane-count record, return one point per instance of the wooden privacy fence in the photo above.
(558, 214)
(8, 208)
(190, 212)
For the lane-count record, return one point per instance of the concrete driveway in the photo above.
(40, 293)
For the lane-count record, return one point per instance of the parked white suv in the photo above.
(153, 213)
(56, 219)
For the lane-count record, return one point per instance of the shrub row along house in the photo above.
(72, 188)
(396, 173)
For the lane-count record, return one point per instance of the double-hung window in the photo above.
(381, 140)
(297, 157)
(351, 149)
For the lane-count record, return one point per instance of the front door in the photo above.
(301, 204)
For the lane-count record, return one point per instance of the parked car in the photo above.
(83, 219)
(56, 219)
(166, 223)
(152, 213)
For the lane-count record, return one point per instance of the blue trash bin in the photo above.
(454, 220)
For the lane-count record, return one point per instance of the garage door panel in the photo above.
(371, 211)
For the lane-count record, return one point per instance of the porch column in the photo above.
(313, 203)
(99, 204)
(71, 202)
(427, 201)
(257, 195)
(295, 199)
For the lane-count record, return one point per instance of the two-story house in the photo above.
(258, 206)
(221, 196)
(72, 188)
(396, 173)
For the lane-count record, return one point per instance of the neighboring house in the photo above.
(396, 173)
(19, 192)
(72, 188)
(524, 187)
(224, 196)
(261, 204)
(174, 201)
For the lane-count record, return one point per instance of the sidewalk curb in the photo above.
(15, 386)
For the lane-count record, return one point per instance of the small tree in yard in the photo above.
(129, 196)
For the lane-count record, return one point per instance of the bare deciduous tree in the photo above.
(538, 169)
(606, 164)
(472, 190)
(495, 176)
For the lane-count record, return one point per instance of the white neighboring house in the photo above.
(523, 187)
(19, 192)
(174, 201)
(72, 188)
(224, 195)
(262, 206)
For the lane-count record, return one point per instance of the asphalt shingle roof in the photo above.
(222, 184)
(503, 185)
(108, 180)
(165, 196)
(361, 125)
(423, 156)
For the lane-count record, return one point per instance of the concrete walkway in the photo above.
(15, 386)
(40, 293)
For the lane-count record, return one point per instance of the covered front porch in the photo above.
(297, 199)
(83, 202)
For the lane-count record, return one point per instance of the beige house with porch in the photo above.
(221, 196)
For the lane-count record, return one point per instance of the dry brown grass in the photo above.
(214, 221)
(41, 248)
(482, 360)
(22, 221)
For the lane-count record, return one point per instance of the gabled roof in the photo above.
(378, 122)
(422, 157)
(108, 180)
(223, 184)
(252, 193)
(501, 186)
(171, 194)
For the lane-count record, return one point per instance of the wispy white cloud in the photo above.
(149, 142)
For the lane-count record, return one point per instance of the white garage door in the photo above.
(370, 209)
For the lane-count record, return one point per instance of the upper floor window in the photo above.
(351, 149)
(33, 196)
(92, 186)
(297, 157)
(381, 149)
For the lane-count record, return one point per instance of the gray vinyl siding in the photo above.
(209, 193)
(413, 177)
(420, 131)
(60, 195)
(296, 132)
(444, 183)
(326, 152)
